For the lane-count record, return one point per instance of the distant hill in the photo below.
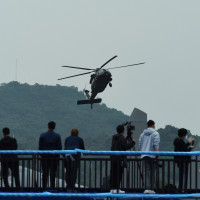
(26, 110)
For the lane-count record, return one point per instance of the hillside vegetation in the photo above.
(26, 110)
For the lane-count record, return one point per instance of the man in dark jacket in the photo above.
(71, 163)
(118, 162)
(49, 141)
(9, 161)
(182, 161)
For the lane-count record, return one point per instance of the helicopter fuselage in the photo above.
(99, 82)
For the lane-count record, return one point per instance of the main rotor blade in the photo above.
(78, 68)
(108, 62)
(127, 65)
(75, 75)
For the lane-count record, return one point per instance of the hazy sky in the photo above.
(46, 34)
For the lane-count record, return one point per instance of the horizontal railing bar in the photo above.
(118, 195)
(86, 152)
(163, 153)
(33, 152)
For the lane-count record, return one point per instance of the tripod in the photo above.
(138, 167)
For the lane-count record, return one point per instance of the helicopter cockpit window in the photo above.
(100, 72)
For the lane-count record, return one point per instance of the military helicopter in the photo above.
(99, 81)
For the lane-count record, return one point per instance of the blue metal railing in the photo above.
(91, 166)
(102, 195)
(87, 152)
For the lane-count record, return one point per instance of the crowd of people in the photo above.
(149, 141)
(49, 140)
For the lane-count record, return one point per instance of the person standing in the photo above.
(118, 162)
(9, 161)
(182, 161)
(71, 163)
(49, 141)
(149, 141)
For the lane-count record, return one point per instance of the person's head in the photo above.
(51, 125)
(182, 132)
(6, 131)
(151, 124)
(120, 129)
(74, 132)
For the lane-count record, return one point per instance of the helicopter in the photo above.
(99, 80)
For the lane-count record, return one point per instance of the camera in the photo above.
(192, 142)
(191, 139)
(130, 128)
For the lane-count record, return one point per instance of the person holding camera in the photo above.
(149, 141)
(182, 161)
(118, 162)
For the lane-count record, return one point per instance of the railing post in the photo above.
(79, 170)
(128, 174)
(196, 173)
(174, 173)
(157, 173)
(34, 171)
(163, 174)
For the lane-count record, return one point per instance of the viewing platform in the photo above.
(93, 176)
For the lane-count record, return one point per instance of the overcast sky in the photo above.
(46, 34)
